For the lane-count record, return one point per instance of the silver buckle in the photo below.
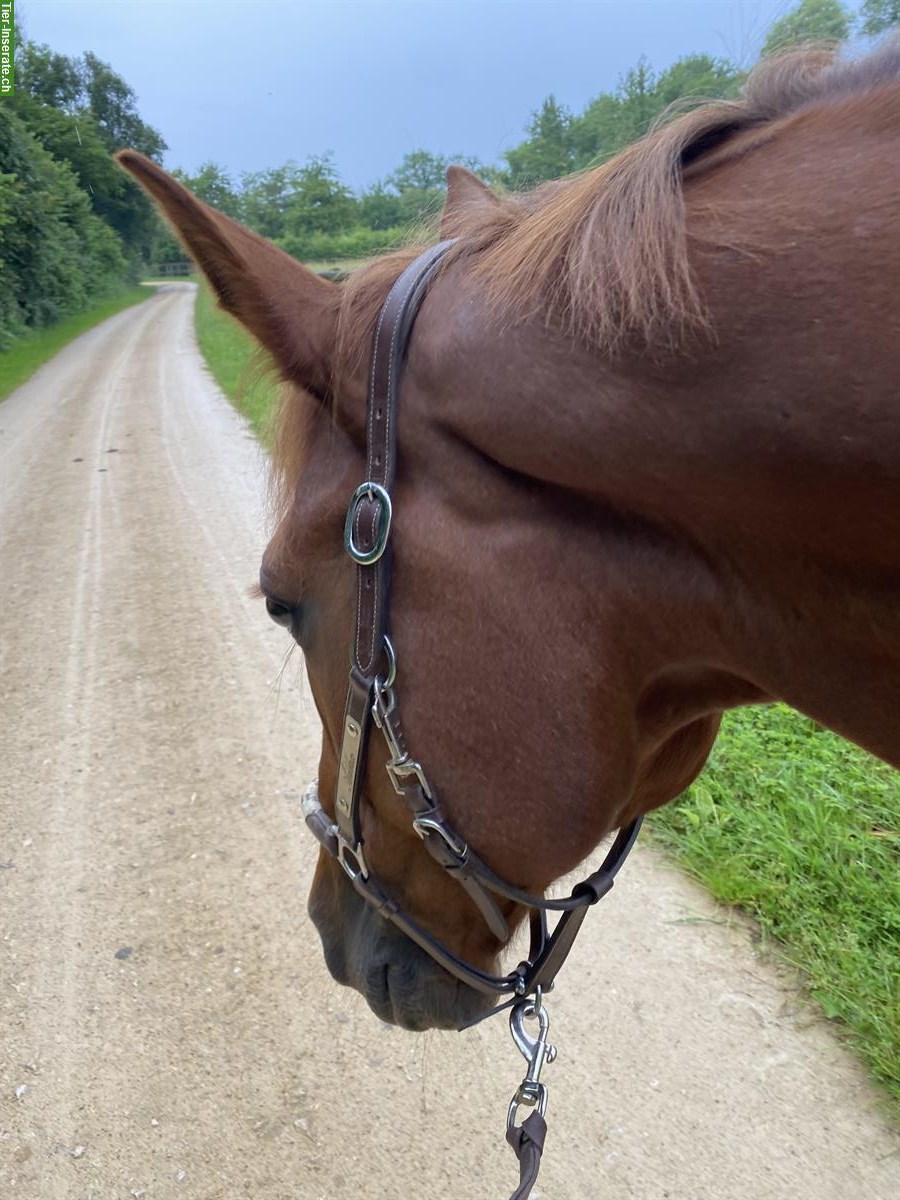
(368, 491)
(426, 825)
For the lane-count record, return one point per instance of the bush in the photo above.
(57, 257)
(353, 243)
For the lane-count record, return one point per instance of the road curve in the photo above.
(167, 1028)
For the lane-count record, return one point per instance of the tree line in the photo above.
(75, 228)
(311, 212)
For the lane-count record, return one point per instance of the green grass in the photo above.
(233, 357)
(802, 830)
(788, 822)
(21, 361)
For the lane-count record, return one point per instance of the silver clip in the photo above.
(401, 770)
(536, 1051)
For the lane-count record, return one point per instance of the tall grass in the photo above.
(234, 359)
(802, 830)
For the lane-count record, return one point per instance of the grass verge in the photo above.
(20, 362)
(789, 822)
(802, 830)
(233, 357)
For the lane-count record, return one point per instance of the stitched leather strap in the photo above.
(391, 338)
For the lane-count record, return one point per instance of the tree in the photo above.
(321, 202)
(612, 120)
(57, 254)
(76, 85)
(80, 109)
(699, 75)
(213, 185)
(266, 197)
(114, 107)
(419, 171)
(381, 208)
(598, 133)
(548, 151)
(50, 78)
(879, 15)
(73, 138)
(810, 21)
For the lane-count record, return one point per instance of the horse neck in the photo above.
(787, 483)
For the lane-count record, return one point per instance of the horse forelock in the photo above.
(605, 253)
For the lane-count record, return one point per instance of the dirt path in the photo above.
(167, 1028)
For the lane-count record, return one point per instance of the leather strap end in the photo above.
(527, 1140)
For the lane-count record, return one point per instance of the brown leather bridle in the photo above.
(371, 697)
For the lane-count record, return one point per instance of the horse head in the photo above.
(609, 524)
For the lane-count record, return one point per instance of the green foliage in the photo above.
(380, 208)
(320, 202)
(113, 105)
(58, 256)
(414, 194)
(81, 110)
(699, 76)
(266, 196)
(548, 151)
(213, 185)
(87, 86)
(810, 21)
(358, 242)
(879, 15)
(233, 358)
(49, 77)
(75, 139)
(419, 172)
(802, 829)
(613, 120)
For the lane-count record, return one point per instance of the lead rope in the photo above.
(527, 1139)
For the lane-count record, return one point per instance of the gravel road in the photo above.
(167, 1027)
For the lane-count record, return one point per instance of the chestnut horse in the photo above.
(649, 469)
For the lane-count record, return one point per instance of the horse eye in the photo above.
(281, 614)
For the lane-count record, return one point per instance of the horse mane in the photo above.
(605, 252)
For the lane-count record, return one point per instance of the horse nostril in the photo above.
(280, 613)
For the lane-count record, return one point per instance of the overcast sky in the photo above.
(252, 83)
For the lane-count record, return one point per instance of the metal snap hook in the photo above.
(536, 1051)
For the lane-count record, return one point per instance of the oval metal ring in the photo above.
(388, 681)
(368, 491)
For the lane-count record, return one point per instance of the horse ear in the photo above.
(465, 191)
(289, 309)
